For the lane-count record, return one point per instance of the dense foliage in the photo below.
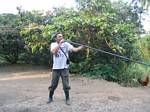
(113, 27)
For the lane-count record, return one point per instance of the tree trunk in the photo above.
(88, 42)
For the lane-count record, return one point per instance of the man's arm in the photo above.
(56, 48)
(76, 49)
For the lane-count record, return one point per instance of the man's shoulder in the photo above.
(53, 43)
(67, 43)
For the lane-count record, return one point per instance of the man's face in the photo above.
(59, 37)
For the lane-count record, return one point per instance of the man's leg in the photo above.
(54, 84)
(66, 87)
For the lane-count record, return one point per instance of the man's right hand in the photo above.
(55, 50)
(61, 41)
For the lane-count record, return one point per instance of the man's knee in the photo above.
(67, 88)
(51, 88)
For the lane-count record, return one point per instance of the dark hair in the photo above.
(55, 35)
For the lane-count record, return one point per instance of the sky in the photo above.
(9, 6)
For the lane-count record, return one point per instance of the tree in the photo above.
(144, 3)
(112, 27)
(37, 42)
(11, 42)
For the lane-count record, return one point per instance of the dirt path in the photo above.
(24, 89)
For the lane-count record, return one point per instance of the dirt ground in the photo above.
(24, 89)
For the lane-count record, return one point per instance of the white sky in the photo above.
(9, 6)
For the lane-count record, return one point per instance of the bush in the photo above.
(3, 61)
(129, 76)
(24, 58)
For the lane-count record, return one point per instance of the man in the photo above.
(60, 50)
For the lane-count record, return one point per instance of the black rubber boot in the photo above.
(50, 96)
(67, 98)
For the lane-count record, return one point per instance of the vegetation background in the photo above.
(115, 27)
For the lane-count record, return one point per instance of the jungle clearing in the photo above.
(24, 89)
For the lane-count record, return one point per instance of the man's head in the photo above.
(58, 37)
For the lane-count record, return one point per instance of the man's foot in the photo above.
(50, 100)
(68, 102)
